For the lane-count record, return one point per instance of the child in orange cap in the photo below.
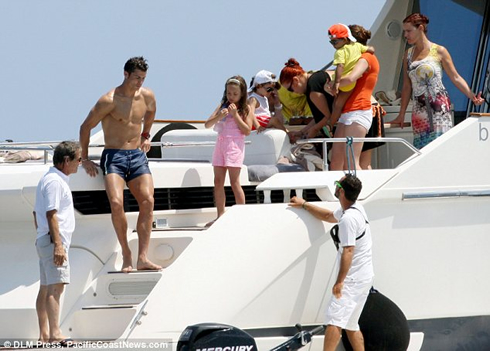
(348, 51)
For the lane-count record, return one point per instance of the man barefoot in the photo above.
(54, 219)
(122, 112)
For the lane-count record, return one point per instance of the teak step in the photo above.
(136, 271)
(107, 307)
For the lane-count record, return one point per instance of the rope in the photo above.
(350, 155)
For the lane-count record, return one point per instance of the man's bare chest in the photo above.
(129, 110)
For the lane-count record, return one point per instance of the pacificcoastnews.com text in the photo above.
(95, 345)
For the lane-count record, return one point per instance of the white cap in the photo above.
(262, 77)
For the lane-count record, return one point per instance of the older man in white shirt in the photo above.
(54, 218)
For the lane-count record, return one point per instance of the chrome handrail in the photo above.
(47, 146)
(324, 142)
(188, 143)
(19, 143)
(16, 147)
(445, 194)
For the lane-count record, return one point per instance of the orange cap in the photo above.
(340, 31)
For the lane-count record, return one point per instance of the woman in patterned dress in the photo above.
(422, 66)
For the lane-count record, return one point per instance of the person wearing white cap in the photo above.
(263, 88)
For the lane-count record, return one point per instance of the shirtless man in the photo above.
(122, 111)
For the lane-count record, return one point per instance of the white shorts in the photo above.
(345, 312)
(49, 273)
(362, 117)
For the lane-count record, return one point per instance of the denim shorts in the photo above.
(49, 272)
(128, 164)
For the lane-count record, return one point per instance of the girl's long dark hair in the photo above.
(242, 105)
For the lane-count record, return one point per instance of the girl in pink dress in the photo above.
(232, 119)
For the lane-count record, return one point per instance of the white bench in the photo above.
(264, 149)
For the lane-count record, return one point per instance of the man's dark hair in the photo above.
(352, 187)
(65, 149)
(135, 63)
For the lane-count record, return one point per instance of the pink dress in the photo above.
(230, 144)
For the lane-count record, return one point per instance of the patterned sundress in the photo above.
(431, 111)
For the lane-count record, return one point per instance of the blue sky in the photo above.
(60, 56)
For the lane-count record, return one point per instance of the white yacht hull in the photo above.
(265, 267)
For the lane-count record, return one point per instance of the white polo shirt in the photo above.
(352, 223)
(53, 193)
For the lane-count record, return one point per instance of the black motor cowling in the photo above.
(219, 337)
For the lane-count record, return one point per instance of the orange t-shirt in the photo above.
(360, 99)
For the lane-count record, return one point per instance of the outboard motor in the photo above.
(383, 324)
(222, 337)
(218, 337)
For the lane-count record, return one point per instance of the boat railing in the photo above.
(44, 146)
(187, 143)
(48, 146)
(348, 140)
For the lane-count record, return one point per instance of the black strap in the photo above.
(334, 232)
(360, 236)
(355, 208)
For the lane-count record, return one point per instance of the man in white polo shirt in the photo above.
(54, 218)
(355, 272)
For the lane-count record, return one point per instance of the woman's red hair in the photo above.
(417, 19)
(291, 70)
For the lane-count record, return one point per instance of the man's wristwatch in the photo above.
(146, 135)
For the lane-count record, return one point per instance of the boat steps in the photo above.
(108, 307)
(111, 307)
(119, 288)
(106, 322)
(179, 229)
